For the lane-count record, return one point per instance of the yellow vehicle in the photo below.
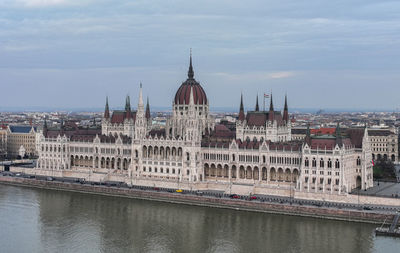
(179, 190)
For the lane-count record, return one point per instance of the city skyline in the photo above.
(71, 54)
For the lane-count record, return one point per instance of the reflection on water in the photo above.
(55, 221)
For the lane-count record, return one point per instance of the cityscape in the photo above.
(195, 127)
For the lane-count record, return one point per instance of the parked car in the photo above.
(179, 190)
(253, 197)
(234, 196)
(49, 178)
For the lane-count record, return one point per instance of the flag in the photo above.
(266, 95)
(373, 164)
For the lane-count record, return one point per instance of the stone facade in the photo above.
(384, 144)
(257, 153)
(21, 136)
(3, 142)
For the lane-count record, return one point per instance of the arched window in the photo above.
(306, 162)
(358, 161)
(337, 164)
(314, 162)
(329, 163)
(263, 158)
(321, 163)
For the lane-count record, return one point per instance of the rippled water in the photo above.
(33, 220)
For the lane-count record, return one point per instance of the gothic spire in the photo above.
(271, 113)
(107, 110)
(285, 111)
(241, 110)
(128, 107)
(147, 109)
(190, 72)
(339, 140)
(271, 104)
(308, 135)
(45, 128)
(257, 107)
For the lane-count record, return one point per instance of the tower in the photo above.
(141, 122)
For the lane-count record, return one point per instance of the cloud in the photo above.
(255, 76)
(42, 3)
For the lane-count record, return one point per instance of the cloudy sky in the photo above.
(323, 54)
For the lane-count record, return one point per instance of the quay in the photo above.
(267, 204)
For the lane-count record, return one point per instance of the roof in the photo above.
(74, 133)
(299, 131)
(323, 130)
(260, 118)
(356, 136)
(182, 96)
(21, 129)
(376, 132)
(118, 117)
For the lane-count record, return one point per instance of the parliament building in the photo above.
(257, 153)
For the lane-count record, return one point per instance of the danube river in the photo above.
(35, 220)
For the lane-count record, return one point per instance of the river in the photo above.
(37, 220)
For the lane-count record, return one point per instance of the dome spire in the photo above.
(190, 72)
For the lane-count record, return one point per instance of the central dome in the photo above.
(182, 96)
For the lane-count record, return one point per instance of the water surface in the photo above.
(36, 220)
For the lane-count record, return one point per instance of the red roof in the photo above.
(183, 94)
(328, 143)
(323, 130)
(119, 117)
(261, 118)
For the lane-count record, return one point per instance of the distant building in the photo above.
(21, 136)
(3, 141)
(384, 144)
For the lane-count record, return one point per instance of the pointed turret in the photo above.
(140, 96)
(241, 110)
(339, 140)
(190, 72)
(45, 128)
(308, 135)
(257, 107)
(107, 110)
(271, 113)
(285, 111)
(147, 109)
(128, 107)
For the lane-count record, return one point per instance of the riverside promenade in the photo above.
(267, 204)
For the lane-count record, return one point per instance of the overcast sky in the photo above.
(323, 54)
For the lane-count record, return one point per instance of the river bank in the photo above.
(368, 216)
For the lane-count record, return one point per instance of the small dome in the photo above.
(183, 94)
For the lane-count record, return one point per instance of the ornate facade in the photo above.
(257, 151)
